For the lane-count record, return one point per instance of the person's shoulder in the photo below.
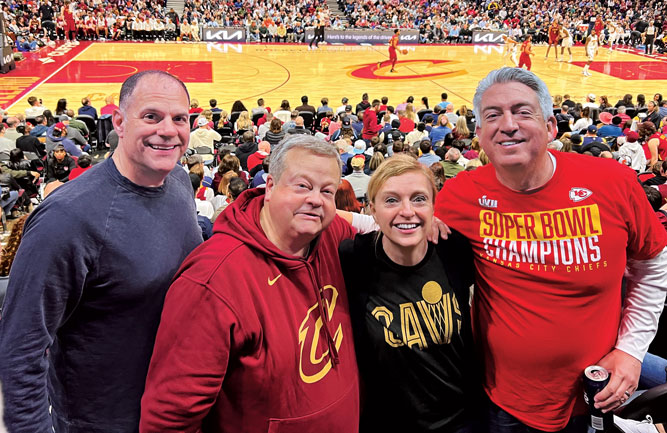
(360, 247)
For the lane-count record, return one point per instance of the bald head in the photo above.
(127, 89)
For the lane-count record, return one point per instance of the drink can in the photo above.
(595, 379)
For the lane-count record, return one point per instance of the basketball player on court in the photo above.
(554, 34)
(511, 49)
(526, 51)
(591, 51)
(565, 41)
(614, 33)
(393, 47)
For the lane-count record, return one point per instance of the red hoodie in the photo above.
(242, 346)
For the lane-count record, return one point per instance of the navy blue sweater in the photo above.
(84, 300)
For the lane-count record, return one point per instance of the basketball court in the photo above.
(275, 72)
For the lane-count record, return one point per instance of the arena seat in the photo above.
(652, 402)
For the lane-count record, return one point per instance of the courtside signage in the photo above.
(223, 34)
(487, 37)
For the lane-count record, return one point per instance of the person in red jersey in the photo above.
(526, 51)
(256, 333)
(554, 35)
(552, 242)
(393, 48)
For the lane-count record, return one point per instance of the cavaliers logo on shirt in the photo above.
(314, 359)
(432, 320)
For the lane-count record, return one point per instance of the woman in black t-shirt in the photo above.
(409, 303)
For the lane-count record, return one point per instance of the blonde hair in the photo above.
(208, 114)
(462, 127)
(483, 158)
(109, 100)
(198, 169)
(376, 160)
(396, 166)
(244, 122)
(410, 112)
(223, 119)
(194, 103)
(223, 186)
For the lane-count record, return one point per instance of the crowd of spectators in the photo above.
(286, 21)
(237, 144)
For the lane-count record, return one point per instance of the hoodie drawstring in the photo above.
(324, 315)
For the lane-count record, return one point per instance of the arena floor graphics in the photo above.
(275, 72)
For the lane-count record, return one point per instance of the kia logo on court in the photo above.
(224, 35)
(482, 37)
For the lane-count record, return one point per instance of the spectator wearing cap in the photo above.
(57, 134)
(576, 140)
(590, 102)
(394, 133)
(36, 108)
(346, 130)
(59, 165)
(299, 127)
(204, 135)
(83, 164)
(87, 109)
(592, 143)
(256, 159)
(348, 112)
(341, 109)
(612, 125)
(631, 152)
(428, 157)
(72, 133)
(358, 179)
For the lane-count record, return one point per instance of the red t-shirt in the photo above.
(550, 262)
(662, 146)
(78, 171)
(407, 125)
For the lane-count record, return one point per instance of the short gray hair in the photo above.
(508, 75)
(621, 109)
(300, 141)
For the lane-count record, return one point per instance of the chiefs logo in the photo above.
(414, 69)
(579, 194)
(316, 363)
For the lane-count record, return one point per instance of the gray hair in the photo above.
(621, 109)
(508, 75)
(300, 141)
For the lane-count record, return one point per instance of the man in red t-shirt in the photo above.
(552, 242)
(371, 125)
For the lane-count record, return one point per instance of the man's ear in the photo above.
(118, 121)
(552, 127)
(270, 184)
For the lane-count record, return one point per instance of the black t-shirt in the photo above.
(28, 143)
(47, 12)
(413, 336)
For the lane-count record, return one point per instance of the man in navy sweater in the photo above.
(88, 283)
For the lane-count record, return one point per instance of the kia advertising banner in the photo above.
(487, 37)
(7, 59)
(360, 36)
(223, 34)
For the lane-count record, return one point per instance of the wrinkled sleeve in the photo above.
(190, 359)
(45, 285)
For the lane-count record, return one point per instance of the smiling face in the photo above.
(514, 134)
(403, 208)
(301, 203)
(153, 130)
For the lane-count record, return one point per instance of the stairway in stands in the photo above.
(335, 11)
(178, 6)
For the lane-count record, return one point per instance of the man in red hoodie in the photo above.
(255, 333)
(371, 125)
